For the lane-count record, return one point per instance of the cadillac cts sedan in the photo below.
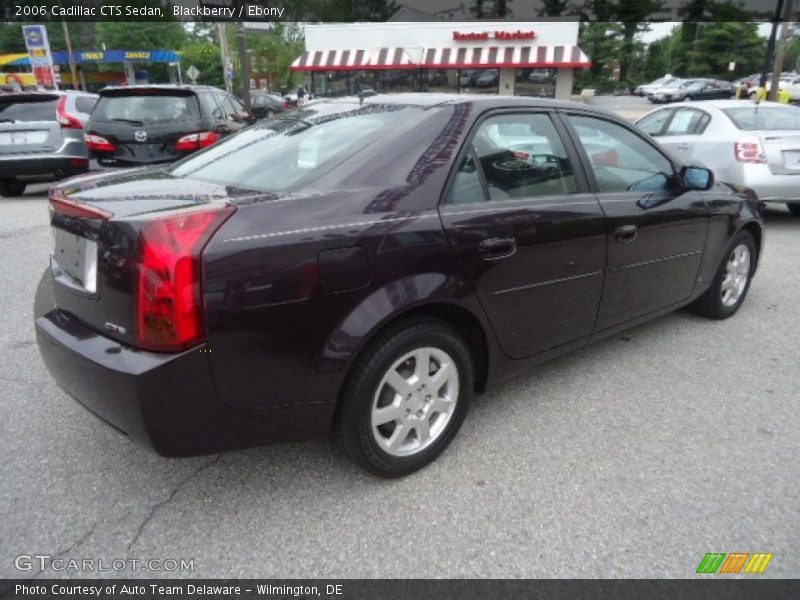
(363, 266)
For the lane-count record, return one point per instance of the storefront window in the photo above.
(398, 81)
(441, 80)
(535, 82)
(480, 81)
(345, 83)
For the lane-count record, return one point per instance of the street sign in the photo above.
(39, 52)
(192, 73)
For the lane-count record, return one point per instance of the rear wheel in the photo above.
(732, 281)
(11, 186)
(406, 397)
(794, 208)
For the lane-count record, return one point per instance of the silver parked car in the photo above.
(41, 137)
(751, 146)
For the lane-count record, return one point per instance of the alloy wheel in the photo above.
(737, 272)
(414, 401)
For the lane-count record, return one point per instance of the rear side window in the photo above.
(687, 121)
(85, 104)
(41, 108)
(654, 122)
(771, 118)
(521, 156)
(146, 108)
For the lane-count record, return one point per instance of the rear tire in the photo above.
(794, 208)
(397, 414)
(11, 186)
(732, 281)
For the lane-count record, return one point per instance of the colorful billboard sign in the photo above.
(41, 60)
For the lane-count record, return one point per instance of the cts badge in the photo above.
(117, 328)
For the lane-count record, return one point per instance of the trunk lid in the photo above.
(96, 221)
(28, 124)
(782, 151)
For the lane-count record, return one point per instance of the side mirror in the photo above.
(696, 178)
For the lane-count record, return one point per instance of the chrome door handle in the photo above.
(500, 247)
(625, 234)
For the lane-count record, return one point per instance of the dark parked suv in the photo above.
(147, 124)
(364, 265)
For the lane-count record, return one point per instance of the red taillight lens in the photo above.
(169, 306)
(98, 144)
(195, 141)
(66, 120)
(749, 150)
(286, 104)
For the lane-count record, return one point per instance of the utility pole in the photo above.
(788, 5)
(223, 51)
(770, 45)
(70, 58)
(244, 68)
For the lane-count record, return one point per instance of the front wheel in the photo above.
(405, 398)
(732, 281)
(794, 208)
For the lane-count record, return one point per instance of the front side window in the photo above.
(620, 159)
(522, 156)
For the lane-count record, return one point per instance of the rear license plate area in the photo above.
(74, 261)
(791, 159)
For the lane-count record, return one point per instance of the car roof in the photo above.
(484, 101)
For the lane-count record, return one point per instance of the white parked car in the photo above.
(751, 146)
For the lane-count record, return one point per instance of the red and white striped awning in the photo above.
(354, 60)
(504, 57)
(449, 57)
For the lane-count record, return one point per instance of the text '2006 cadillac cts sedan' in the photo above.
(361, 266)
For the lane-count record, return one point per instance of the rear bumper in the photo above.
(166, 402)
(770, 187)
(37, 165)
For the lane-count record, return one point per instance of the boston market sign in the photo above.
(510, 36)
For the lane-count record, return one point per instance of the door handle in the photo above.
(625, 234)
(500, 247)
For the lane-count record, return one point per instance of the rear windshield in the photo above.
(278, 154)
(41, 108)
(144, 109)
(770, 118)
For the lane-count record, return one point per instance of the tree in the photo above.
(205, 56)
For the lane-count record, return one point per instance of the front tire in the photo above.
(732, 281)
(406, 397)
(794, 208)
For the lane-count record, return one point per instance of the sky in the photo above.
(659, 30)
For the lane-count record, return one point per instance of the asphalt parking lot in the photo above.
(631, 458)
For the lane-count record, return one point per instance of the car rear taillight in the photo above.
(66, 120)
(195, 141)
(98, 143)
(286, 104)
(748, 150)
(169, 304)
(61, 205)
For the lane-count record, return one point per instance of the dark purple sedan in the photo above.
(362, 266)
